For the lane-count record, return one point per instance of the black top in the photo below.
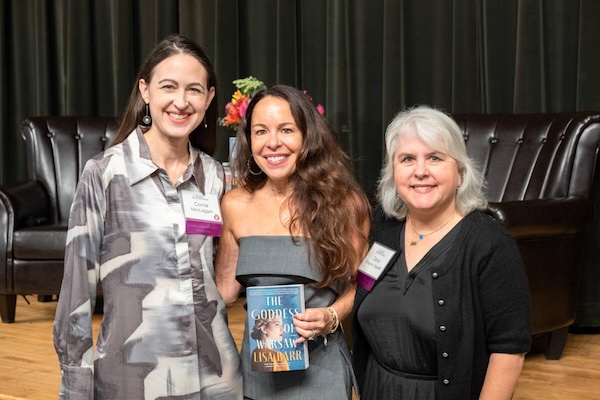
(480, 304)
(403, 361)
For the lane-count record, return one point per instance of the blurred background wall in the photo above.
(364, 60)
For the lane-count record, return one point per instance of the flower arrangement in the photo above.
(236, 108)
(246, 89)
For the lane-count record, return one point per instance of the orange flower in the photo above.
(246, 89)
(235, 109)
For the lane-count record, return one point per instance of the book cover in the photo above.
(272, 332)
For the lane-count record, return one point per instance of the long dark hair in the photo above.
(329, 205)
(202, 138)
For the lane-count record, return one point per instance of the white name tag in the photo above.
(373, 265)
(202, 213)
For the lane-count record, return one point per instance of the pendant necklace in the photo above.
(284, 217)
(284, 209)
(422, 235)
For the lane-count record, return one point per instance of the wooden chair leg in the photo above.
(8, 304)
(556, 344)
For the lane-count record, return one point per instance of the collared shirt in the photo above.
(164, 331)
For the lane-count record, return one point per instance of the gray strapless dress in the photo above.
(277, 260)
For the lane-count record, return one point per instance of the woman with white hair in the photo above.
(447, 317)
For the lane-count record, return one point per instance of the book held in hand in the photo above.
(272, 332)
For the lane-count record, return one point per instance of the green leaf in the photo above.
(249, 85)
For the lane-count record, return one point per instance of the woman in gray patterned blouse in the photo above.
(164, 330)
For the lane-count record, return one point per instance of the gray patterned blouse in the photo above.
(164, 332)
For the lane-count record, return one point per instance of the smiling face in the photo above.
(178, 96)
(275, 138)
(425, 179)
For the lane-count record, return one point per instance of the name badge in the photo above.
(202, 213)
(373, 265)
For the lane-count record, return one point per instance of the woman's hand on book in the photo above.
(312, 323)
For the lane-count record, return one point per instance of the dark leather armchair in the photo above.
(34, 214)
(539, 169)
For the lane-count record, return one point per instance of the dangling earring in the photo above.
(147, 119)
(205, 124)
(249, 169)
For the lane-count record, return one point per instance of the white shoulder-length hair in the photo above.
(440, 132)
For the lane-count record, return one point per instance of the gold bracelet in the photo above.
(334, 325)
(335, 319)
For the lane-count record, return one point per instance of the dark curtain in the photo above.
(364, 60)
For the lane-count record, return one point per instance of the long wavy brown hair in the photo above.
(328, 204)
(203, 138)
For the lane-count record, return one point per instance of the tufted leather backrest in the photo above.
(533, 156)
(57, 150)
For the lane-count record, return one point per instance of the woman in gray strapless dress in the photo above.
(297, 216)
(276, 260)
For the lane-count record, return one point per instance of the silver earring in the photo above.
(147, 119)
(249, 169)
(205, 124)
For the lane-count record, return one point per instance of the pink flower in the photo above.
(320, 108)
(242, 109)
(238, 106)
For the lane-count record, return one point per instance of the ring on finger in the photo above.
(312, 336)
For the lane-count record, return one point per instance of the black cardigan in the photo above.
(481, 303)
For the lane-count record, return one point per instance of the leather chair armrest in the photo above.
(24, 204)
(530, 219)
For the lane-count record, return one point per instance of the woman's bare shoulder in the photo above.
(236, 200)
